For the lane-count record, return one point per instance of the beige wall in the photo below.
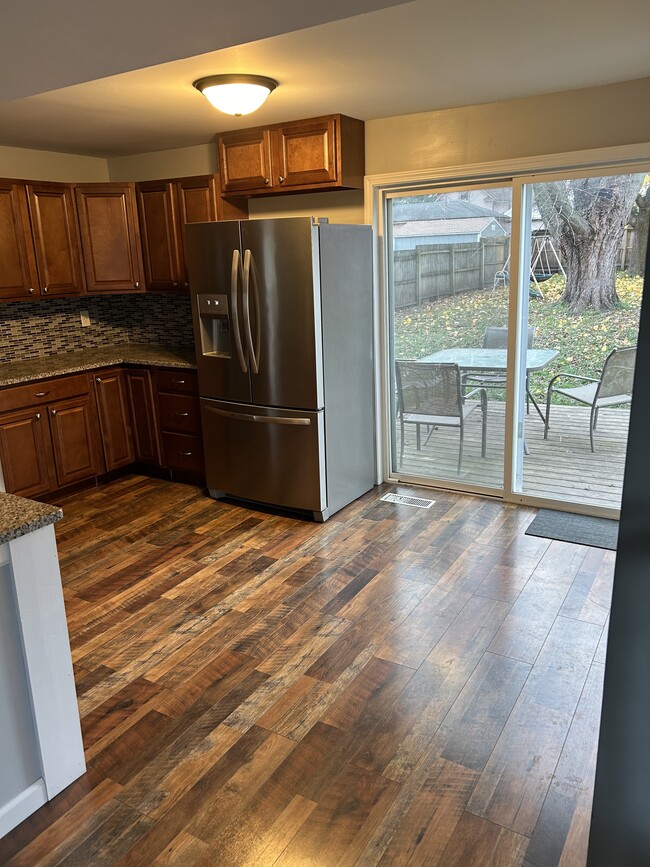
(176, 163)
(49, 166)
(596, 117)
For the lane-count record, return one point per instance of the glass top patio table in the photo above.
(490, 359)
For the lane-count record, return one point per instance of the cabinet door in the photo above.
(245, 158)
(160, 232)
(26, 452)
(110, 239)
(75, 439)
(56, 239)
(18, 276)
(146, 440)
(304, 154)
(196, 200)
(114, 419)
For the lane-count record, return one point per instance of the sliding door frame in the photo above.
(518, 174)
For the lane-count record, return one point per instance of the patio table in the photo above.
(493, 361)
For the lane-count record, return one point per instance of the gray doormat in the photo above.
(582, 529)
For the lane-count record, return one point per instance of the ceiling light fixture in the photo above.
(236, 94)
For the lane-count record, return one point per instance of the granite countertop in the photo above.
(33, 369)
(19, 516)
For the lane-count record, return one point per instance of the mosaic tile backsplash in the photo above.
(38, 328)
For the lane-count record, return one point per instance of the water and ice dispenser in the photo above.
(214, 325)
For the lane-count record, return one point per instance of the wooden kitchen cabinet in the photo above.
(114, 418)
(75, 440)
(26, 452)
(180, 421)
(18, 275)
(53, 222)
(302, 156)
(165, 207)
(142, 402)
(110, 237)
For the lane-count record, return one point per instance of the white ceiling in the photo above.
(408, 58)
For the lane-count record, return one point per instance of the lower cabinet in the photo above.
(142, 403)
(75, 440)
(57, 432)
(114, 418)
(26, 452)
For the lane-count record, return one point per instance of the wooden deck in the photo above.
(561, 467)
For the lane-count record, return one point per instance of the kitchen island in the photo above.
(41, 751)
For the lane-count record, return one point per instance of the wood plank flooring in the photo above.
(562, 467)
(394, 687)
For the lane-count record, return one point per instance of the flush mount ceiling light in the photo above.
(236, 94)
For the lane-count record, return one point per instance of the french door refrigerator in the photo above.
(282, 313)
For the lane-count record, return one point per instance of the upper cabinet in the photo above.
(165, 207)
(110, 237)
(39, 241)
(321, 153)
(18, 276)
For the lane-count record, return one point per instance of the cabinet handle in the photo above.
(53, 411)
(178, 381)
(41, 393)
(182, 414)
(185, 454)
(280, 179)
(45, 289)
(31, 290)
(98, 379)
(267, 181)
(38, 416)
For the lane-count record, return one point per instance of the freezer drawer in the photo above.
(272, 456)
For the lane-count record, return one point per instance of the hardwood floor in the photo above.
(395, 686)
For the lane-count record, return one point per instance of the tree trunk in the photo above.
(636, 265)
(586, 217)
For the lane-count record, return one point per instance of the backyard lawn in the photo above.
(584, 339)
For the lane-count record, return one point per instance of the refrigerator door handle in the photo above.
(250, 281)
(259, 419)
(235, 276)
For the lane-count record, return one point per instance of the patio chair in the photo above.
(430, 394)
(612, 389)
(496, 337)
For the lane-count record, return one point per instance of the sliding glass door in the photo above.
(511, 346)
(449, 314)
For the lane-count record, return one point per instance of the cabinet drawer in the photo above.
(177, 380)
(44, 391)
(179, 412)
(183, 452)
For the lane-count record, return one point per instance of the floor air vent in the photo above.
(418, 502)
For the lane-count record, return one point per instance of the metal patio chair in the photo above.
(612, 389)
(431, 394)
(496, 337)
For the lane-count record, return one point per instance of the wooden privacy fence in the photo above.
(434, 271)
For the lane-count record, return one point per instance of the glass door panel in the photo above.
(449, 254)
(580, 301)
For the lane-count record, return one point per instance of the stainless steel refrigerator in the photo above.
(282, 313)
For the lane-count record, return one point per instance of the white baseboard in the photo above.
(22, 806)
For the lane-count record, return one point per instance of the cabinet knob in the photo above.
(280, 179)
(186, 285)
(267, 181)
(136, 285)
(174, 285)
(98, 379)
(53, 411)
(38, 416)
(45, 289)
(31, 290)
